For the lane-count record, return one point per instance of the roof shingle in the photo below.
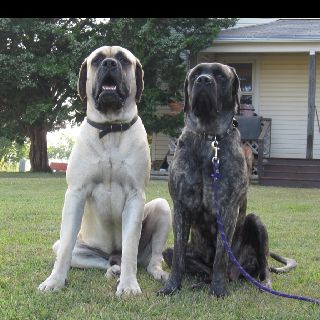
(280, 29)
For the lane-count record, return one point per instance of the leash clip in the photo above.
(215, 148)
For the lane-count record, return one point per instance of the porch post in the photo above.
(311, 103)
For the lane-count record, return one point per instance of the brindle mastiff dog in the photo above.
(104, 217)
(211, 100)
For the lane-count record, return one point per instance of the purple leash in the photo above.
(215, 178)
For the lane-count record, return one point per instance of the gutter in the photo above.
(241, 40)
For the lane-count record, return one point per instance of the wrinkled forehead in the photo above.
(214, 67)
(111, 52)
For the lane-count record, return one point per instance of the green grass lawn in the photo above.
(30, 212)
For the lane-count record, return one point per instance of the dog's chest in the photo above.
(118, 162)
(120, 171)
(113, 179)
(117, 174)
(192, 169)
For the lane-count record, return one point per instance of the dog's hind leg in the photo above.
(155, 228)
(254, 249)
(86, 257)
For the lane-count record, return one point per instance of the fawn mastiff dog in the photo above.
(105, 221)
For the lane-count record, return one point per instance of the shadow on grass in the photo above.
(30, 175)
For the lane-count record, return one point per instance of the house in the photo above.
(273, 61)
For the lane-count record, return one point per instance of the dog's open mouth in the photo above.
(110, 94)
(108, 86)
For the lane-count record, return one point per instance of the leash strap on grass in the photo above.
(215, 178)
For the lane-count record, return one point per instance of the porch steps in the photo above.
(291, 173)
(159, 175)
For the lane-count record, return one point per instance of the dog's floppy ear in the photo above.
(82, 80)
(236, 90)
(139, 80)
(186, 95)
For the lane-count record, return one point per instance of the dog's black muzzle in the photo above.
(204, 80)
(109, 91)
(204, 96)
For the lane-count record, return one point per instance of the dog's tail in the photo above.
(288, 263)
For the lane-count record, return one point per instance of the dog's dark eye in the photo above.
(193, 76)
(220, 77)
(97, 60)
(124, 60)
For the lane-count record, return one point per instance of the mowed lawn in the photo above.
(30, 213)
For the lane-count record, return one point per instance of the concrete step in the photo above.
(159, 175)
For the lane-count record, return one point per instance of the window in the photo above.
(244, 71)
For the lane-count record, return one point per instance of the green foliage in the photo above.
(39, 63)
(40, 59)
(62, 149)
(164, 47)
(10, 153)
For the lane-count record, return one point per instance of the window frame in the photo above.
(254, 87)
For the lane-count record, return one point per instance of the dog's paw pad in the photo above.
(168, 289)
(198, 285)
(113, 272)
(159, 274)
(267, 283)
(128, 291)
(218, 293)
(164, 276)
(132, 288)
(52, 283)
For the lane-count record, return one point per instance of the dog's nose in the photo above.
(109, 63)
(204, 79)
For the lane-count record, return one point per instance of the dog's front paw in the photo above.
(218, 289)
(169, 288)
(113, 272)
(52, 283)
(158, 273)
(128, 287)
(267, 283)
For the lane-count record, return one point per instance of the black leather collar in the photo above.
(211, 137)
(108, 127)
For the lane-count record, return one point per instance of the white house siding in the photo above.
(160, 146)
(245, 22)
(281, 93)
(280, 83)
(160, 141)
(316, 142)
(283, 97)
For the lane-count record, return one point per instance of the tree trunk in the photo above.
(38, 149)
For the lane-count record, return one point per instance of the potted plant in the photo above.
(174, 105)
